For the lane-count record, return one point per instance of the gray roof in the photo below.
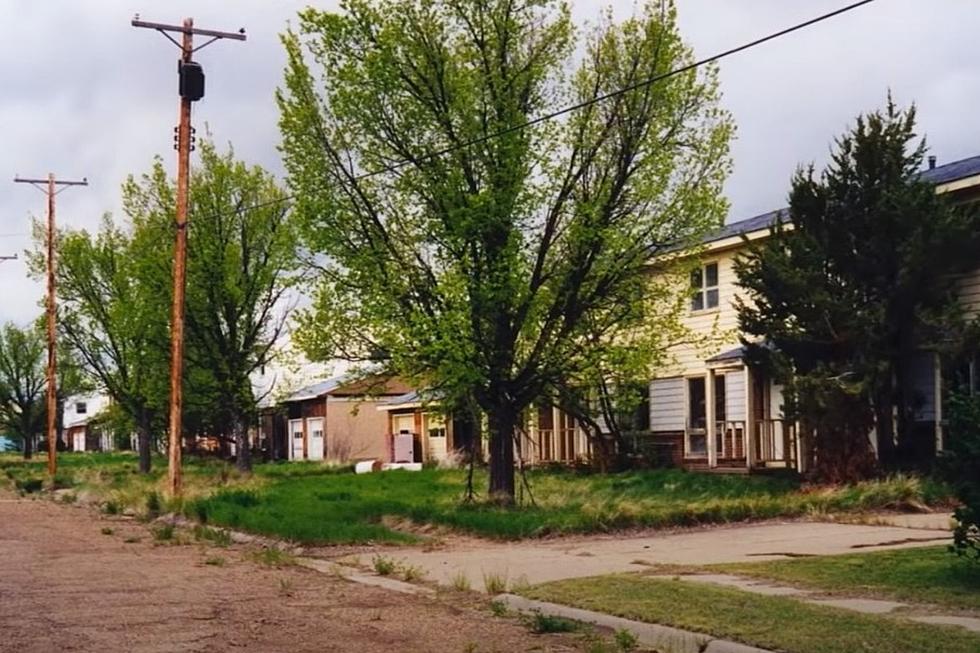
(407, 398)
(952, 171)
(939, 175)
(731, 355)
(317, 389)
(748, 225)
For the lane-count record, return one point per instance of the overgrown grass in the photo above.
(775, 623)
(920, 575)
(314, 503)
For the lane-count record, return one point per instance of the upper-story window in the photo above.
(704, 285)
(81, 408)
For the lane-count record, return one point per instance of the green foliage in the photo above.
(154, 504)
(960, 466)
(625, 640)
(541, 623)
(22, 383)
(842, 298)
(383, 565)
(216, 536)
(510, 270)
(163, 532)
(272, 557)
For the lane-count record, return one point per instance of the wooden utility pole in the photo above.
(191, 89)
(50, 188)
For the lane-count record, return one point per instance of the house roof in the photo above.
(731, 355)
(943, 174)
(953, 171)
(317, 389)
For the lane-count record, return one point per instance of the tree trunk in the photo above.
(28, 446)
(243, 454)
(502, 422)
(143, 443)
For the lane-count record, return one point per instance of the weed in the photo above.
(153, 504)
(498, 608)
(384, 566)
(131, 540)
(163, 532)
(272, 557)
(494, 583)
(411, 573)
(460, 581)
(69, 497)
(626, 640)
(470, 647)
(215, 561)
(111, 508)
(29, 485)
(285, 587)
(107, 531)
(545, 623)
(376, 616)
(213, 535)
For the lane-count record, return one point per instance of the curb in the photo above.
(327, 567)
(667, 638)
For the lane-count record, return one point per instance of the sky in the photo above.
(84, 94)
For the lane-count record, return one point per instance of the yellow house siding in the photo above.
(688, 358)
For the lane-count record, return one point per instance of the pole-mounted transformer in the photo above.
(191, 84)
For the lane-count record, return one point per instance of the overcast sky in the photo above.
(84, 94)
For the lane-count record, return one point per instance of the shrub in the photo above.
(29, 485)
(546, 623)
(960, 465)
(384, 566)
(111, 508)
(163, 533)
(460, 581)
(625, 640)
(495, 583)
(153, 504)
(214, 535)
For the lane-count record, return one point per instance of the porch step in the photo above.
(720, 469)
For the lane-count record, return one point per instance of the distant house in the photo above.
(334, 419)
(716, 411)
(80, 428)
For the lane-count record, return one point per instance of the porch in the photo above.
(730, 418)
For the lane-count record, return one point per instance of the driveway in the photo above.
(546, 560)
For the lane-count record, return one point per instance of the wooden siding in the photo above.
(735, 396)
(667, 404)
(969, 293)
(722, 321)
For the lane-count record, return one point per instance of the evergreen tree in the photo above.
(855, 283)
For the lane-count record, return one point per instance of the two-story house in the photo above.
(717, 411)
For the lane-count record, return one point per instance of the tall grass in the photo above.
(317, 503)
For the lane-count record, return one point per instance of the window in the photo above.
(81, 408)
(704, 285)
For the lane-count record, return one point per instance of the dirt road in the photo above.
(67, 586)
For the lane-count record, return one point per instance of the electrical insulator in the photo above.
(191, 86)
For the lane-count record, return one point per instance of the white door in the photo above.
(436, 432)
(296, 439)
(79, 444)
(314, 426)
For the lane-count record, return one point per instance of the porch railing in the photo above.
(730, 439)
(775, 442)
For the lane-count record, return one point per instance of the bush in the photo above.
(960, 465)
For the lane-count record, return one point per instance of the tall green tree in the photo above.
(854, 284)
(113, 315)
(488, 270)
(241, 265)
(23, 384)
(242, 255)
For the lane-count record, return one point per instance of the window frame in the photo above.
(701, 290)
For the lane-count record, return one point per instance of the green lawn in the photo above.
(922, 575)
(314, 503)
(777, 623)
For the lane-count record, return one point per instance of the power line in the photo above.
(581, 105)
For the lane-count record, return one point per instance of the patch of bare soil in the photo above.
(65, 585)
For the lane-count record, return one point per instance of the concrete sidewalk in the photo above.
(541, 561)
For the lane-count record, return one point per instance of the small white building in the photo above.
(80, 432)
